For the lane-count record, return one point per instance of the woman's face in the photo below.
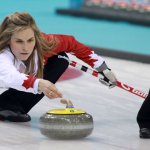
(22, 44)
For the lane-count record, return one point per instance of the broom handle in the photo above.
(119, 84)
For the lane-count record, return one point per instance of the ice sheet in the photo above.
(114, 112)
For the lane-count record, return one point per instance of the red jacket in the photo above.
(69, 44)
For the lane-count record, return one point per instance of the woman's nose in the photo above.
(25, 47)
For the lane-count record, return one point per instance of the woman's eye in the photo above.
(30, 41)
(19, 41)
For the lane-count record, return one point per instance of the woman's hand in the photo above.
(49, 89)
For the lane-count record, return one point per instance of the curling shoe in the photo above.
(145, 133)
(8, 115)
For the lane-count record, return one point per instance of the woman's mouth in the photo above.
(24, 53)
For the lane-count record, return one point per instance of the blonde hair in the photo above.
(20, 21)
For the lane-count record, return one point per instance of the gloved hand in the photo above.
(109, 77)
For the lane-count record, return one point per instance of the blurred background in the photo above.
(108, 34)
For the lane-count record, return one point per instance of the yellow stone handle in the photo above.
(68, 103)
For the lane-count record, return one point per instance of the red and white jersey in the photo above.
(12, 71)
(69, 44)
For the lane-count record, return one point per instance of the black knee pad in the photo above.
(63, 57)
(55, 67)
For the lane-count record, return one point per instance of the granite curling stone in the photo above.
(68, 123)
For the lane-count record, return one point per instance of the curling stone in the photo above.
(68, 123)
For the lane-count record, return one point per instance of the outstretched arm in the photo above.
(69, 44)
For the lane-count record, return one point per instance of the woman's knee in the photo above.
(63, 59)
(56, 66)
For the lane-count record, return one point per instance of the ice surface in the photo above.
(114, 112)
